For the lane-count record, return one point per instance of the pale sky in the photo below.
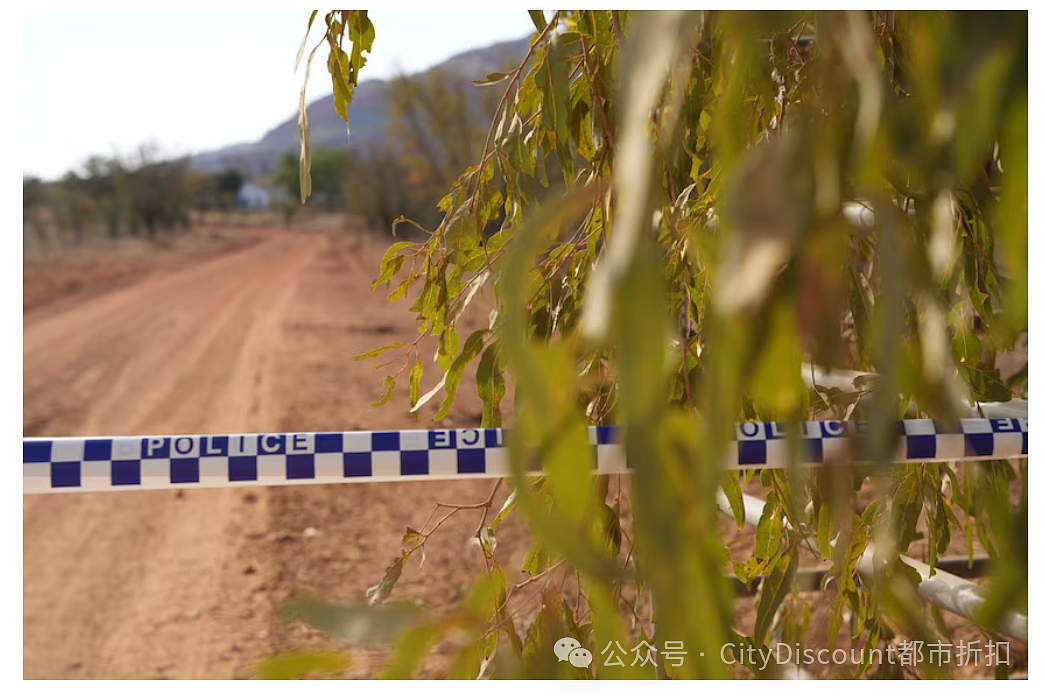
(103, 82)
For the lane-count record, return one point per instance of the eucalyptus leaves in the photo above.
(658, 220)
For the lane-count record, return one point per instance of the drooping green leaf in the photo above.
(731, 487)
(302, 663)
(471, 349)
(304, 39)
(774, 589)
(390, 387)
(503, 513)
(416, 372)
(379, 592)
(491, 387)
(537, 16)
(823, 532)
(378, 351)
(553, 82)
(491, 79)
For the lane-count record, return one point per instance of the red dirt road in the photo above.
(156, 584)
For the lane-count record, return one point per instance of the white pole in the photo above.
(941, 589)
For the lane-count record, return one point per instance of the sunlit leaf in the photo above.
(390, 387)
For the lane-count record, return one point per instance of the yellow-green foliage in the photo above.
(659, 218)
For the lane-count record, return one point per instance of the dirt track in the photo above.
(156, 584)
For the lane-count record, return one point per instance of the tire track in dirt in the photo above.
(154, 583)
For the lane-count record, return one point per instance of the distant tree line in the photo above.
(435, 129)
(142, 195)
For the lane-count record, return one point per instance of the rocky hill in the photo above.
(368, 115)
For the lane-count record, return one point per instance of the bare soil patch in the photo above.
(65, 276)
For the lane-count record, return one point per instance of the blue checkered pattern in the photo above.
(208, 461)
(766, 445)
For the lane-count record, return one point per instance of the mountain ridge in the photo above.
(367, 115)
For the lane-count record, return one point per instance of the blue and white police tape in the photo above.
(53, 465)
